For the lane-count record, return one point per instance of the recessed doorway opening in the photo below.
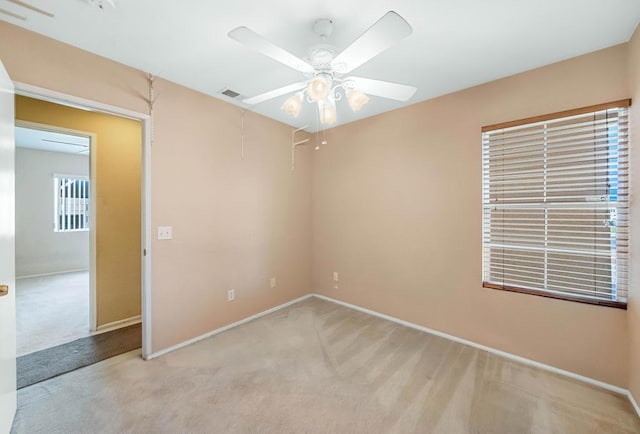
(81, 272)
(53, 252)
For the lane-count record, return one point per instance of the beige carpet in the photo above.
(51, 310)
(317, 367)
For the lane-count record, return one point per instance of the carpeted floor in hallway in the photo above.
(317, 367)
(51, 310)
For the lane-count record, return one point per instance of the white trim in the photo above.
(146, 238)
(227, 327)
(117, 325)
(66, 175)
(93, 253)
(86, 104)
(633, 402)
(510, 356)
(49, 95)
(504, 354)
(53, 129)
(54, 273)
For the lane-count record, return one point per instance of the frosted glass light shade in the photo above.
(327, 112)
(318, 88)
(293, 105)
(356, 99)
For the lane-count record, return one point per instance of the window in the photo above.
(71, 206)
(555, 205)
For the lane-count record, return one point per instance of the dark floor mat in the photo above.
(43, 365)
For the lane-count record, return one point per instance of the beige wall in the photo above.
(39, 249)
(396, 207)
(236, 223)
(397, 212)
(634, 294)
(116, 155)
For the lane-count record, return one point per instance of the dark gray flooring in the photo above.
(45, 364)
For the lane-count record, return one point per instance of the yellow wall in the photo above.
(116, 160)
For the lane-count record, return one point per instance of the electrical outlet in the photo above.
(165, 232)
(272, 281)
(335, 276)
(231, 295)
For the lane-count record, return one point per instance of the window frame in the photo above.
(56, 199)
(625, 103)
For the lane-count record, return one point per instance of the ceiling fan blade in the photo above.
(385, 89)
(33, 8)
(274, 93)
(256, 42)
(13, 14)
(384, 33)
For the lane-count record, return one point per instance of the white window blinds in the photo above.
(71, 206)
(555, 206)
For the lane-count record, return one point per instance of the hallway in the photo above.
(51, 310)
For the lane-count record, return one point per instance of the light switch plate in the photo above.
(165, 232)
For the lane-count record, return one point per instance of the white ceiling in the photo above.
(455, 43)
(51, 141)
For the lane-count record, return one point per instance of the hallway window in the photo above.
(71, 203)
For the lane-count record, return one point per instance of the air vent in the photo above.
(230, 93)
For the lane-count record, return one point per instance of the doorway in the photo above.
(115, 213)
(145, 120)
(55, 298)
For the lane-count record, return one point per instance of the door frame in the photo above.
(93, 320)
(146, 121)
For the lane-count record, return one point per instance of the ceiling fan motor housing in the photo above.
(320, 57)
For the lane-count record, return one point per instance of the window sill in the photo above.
(578, 299)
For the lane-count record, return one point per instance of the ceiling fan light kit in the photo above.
(324, 84)
(318, 88)
(327, 109)
(356, 99)
(294, 104)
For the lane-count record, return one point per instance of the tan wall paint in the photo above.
(385, 192)
(117, 154)
(397, 212)
(634, 294)
(235, 223)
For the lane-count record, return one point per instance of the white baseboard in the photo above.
(504, 354)
(117, 325)
(55, 273)
(633, 402)
(225, 328)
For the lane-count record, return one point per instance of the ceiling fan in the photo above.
(26, 6)
(324, 71)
